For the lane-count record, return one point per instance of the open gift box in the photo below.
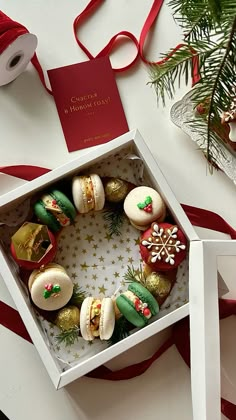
(129, 158)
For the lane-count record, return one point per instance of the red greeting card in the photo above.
(88, 103)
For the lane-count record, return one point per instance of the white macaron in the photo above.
(50, 287)
(144, 205)
(88, 193)
(97, 318)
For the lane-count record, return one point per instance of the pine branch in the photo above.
(114, 215)
(120, 332)
(194, 30)
(133, 275)
(164, 76)
(217, 85)
(210, 35)
(78, 296)
(213, 101)
(68, 337)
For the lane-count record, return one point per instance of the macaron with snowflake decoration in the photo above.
(144, 205)
(55, 210)
(137, 305)
(163, 246)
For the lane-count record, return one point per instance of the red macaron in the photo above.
(163, 246)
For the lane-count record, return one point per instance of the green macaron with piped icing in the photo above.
(137, 305)
(55, 210)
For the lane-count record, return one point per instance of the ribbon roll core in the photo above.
(15, 58)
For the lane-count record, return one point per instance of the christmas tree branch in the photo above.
(229, 50)
(210, 37)
(164, 76)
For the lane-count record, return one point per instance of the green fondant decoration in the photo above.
(55, 289)
(46, 294)
(148, 200)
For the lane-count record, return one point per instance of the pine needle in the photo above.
(120, 332)
(68, 337)
(135, 275)
(210, 35)
(78, 296)
(114, 215)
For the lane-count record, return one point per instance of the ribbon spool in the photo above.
(17, 47)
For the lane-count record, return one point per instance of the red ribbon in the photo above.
(208, 220)
(11, 319)
(26, 172)
(107, 50)
(11, 30)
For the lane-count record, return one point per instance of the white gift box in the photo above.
(206, 382)
(207, 374)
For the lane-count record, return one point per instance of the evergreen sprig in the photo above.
(134, 275)
(209, 28)
(120, 332)
(114, 215)
(68, 337)
(78, 296)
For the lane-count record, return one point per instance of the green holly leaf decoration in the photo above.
(56, 288)
(46, 294)
(142, 205)
(148, 200)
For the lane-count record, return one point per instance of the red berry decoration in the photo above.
(146, 205)
(137, 304)
(148, 208)
(65, 221)
(146, 312)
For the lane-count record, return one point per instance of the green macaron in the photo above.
(55, 210)
(137, 304)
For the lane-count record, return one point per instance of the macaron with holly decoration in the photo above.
(55, 210)
(163, 246)
(137, 305)
(50, 287)
(144, 205)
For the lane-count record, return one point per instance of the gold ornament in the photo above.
(158, 285)
(68, 318)
(116, 190)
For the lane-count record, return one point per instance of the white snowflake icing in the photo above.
(163, 244)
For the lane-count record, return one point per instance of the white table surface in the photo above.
(31, 134)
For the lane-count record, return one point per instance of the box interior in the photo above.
(125, 162)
